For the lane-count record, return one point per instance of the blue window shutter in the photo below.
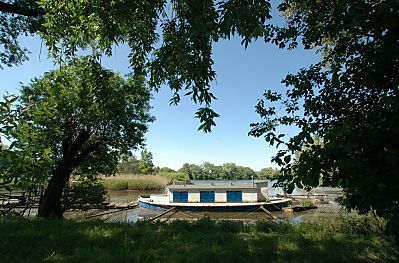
(234, 196)
(207, 196)
(180, 196)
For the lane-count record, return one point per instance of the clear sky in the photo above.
(242, 77)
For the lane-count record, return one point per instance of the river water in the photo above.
(332, 209)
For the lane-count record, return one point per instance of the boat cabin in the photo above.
(218, 193)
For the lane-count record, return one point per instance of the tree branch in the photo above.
(20, 10)
(71, 148)
(91, 148)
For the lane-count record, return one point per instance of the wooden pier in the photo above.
(316, 198)
(121, 205)
(18, 202)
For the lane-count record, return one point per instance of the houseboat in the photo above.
(215, 197)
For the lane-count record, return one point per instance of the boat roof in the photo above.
(214, 186)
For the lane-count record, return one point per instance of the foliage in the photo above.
(174, 176)
(170, 41)
(129, 165)
(24, 157)
(209, 171)
(83, 194)
(182, 241)
(268, 173)
(14, 26)
(146, 166)
(78, 119)
(307, 202)
(166, 170)
(349, 99)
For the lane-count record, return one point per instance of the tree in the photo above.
(268, 173)
(182, 59)
(78, 119)
(230, 171)
(208, 170)
(245, 173)
(350, 99)
(186, 169)
(129, 165)
(146, 166)
(196, 172)
(166, 170)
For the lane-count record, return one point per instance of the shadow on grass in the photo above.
(181, 241)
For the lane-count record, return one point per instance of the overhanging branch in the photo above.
(89, 149)
(19, 10)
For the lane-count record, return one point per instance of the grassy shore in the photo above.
(202, 241)
(141, 182)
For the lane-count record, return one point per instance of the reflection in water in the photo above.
(296, 220)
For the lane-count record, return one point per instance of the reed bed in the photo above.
(135, 182)
(142, 182)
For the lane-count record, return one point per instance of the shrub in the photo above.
(83, 194)
(175, 176)
(230, 226)
(307, 203)
(271, 226)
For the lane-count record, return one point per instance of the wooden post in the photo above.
(267, 212)
(162, 214)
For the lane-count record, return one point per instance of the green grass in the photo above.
(181, 241)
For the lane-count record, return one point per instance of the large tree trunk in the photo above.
(50, 203)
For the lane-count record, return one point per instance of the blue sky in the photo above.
(242, 77)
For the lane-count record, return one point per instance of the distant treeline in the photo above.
(207, 170)
(227, 171)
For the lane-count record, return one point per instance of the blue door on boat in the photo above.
(180, 196)
(234, 196)
(207, 196)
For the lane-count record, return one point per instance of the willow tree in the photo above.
(78, 119)
(170, 41)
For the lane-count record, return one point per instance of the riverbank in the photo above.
(205, 240)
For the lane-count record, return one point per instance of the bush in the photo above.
(230, 226)
(358, 227)
(84, 194)
(270, 227)
(175, 176)
(307, 203)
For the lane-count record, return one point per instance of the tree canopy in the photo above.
(349, 99)
(210, 171)
(78, 119)
(170, 41)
